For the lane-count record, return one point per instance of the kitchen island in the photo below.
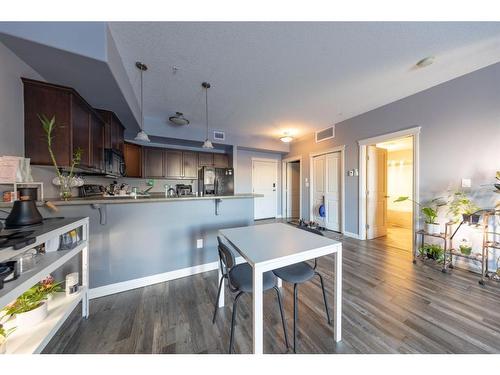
(143, 241)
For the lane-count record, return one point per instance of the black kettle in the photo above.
(23, 213)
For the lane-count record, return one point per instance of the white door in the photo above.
(293, 189)
(332, 191)
(376, 192)
(318, 188)
(264, 181)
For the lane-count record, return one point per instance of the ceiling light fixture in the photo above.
(287, 138)
(207, 143)
(425, 62)
(178, 119)
(142, 136)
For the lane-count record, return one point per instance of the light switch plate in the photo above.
(199, 243)
(466, 182)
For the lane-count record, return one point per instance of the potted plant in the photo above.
(465, 247)
(4, 333)
(430, 213)
(64, 181)
(497, 185)
(432, 251)
(462, 207)
(30, 308)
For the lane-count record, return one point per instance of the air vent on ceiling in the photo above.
(323, 135)
(219, 135)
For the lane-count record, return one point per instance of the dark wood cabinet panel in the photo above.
(205, 159)
(97, 142)
(45, 100)
(114, 130)
(190, 164)
(154, 166)
(133, 160)
(80, 120)
(174, 163)
(221, 160)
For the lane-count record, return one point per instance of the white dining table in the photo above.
(270, 246)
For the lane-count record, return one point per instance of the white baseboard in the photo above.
(150, 280)
(352, 235)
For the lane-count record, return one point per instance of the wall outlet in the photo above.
(466, 182)
(199, 243)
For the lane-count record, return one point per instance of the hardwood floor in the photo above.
(390, 306)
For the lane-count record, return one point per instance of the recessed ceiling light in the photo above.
(426, 61)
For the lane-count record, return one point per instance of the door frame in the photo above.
(363, 143)
(312, 155)
(275, 161)
(284, 185)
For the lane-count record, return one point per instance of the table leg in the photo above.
(337, 319)
(258, 346)
(221, 295)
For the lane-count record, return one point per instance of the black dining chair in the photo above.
(300, 273)
(240, 281)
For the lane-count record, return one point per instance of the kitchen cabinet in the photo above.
(113, 130)
(221, 160)
(77, 126)
(132, 155)
(189, 165)
(154, 162)
(174, 164)
(205, 159)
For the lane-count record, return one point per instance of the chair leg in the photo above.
(295, 316)
(324, 297)
(278, 293)
(217, 299)
(235, 304)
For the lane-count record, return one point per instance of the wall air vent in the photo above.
(323, 135)
(219, 135)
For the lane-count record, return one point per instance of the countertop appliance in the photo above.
(183, 189)
(216, 181)
(114, 162)
(89, 190)
(23, 213)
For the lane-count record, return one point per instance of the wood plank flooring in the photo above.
(390, 306)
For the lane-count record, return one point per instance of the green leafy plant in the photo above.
(49, 126)
(4, 333)
(429, 211)
(460, 205)
(432, 251)
(33, 297)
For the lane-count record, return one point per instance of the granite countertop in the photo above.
(154, 197)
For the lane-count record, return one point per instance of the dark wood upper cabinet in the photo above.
(174, 164)
(154, 162)
(77, 126)
(114, 130)
(205, 159)
(189, 165)
(133, 160)
(221, 160)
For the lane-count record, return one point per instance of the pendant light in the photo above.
(207, 143)
(142, 136)
(179, 119)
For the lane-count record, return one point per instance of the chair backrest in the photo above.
(225, 255)
(315, 231)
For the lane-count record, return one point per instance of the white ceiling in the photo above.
(270, 77)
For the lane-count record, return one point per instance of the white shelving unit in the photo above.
(17, 184)
(26, 340)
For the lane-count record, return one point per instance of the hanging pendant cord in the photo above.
(206, 107)
(142, 105)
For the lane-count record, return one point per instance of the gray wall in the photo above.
(243, 174)
(144, 239)
(460, 138)
(11, 101)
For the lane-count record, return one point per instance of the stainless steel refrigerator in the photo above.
(216, 181)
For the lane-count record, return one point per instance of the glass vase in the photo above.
(65, 184)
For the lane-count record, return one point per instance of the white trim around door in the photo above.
(274, 161)
(340, 149)
(363, 144)
(284, 185)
